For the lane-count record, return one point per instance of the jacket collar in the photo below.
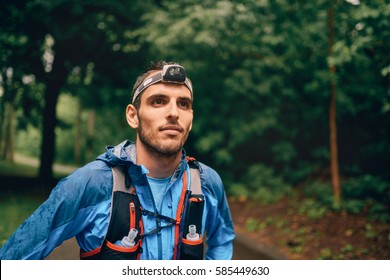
(124, 155)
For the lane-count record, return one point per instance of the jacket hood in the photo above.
(122, 154)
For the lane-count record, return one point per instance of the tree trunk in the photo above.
(10, 145)
(77, 140)
(91, 133)
(8, 132)
(334, 164)
(54, 82)
(7, 128)
(3, 135)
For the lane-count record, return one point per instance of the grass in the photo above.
(30, 169)
(17, 204)
(14, 209)
(17, 169)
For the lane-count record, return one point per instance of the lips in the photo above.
(168, 128)
(172, 129)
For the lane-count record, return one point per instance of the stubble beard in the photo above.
(155, 147)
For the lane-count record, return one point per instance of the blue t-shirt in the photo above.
(158, 187)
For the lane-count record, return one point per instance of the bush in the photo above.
(319, 190)
(367, 186)
(261, 184)
(358, 194)
(379, 212)
(370, 191)
(313, 209)
(28, 141)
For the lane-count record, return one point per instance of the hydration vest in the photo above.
(126, 213)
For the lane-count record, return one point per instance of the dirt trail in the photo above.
(19, 158)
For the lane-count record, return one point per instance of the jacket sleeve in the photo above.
(218, 223)
(62, 216)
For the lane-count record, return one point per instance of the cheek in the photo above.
(145, 124)
(190, 126)
(190, 119)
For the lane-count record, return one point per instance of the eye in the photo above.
(184, 104)
(158, 101)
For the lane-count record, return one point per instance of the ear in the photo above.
(131, 116)
(192, 112)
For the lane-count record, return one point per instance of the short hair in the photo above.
(154, 65)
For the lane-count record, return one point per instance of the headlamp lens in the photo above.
(169, 74)
(173, 73)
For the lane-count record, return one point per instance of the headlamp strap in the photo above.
(170, 74)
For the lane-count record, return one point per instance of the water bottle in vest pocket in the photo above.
(192, 243)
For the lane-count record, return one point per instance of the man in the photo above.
(156, 182)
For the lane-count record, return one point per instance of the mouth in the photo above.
(172, 129)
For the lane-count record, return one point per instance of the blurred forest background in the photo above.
(291, 98)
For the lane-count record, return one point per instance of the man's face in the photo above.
(164, 118)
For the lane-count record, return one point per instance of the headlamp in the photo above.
(169, 74)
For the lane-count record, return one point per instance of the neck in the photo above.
(159, 166)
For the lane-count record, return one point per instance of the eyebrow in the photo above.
(185, 99)
(160, 95)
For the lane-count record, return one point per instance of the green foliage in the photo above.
(368, 191)
(370, 231)
(251, 224)
(268, 106)
(14, 209)
(28, 141)
(14, 169)
(313, 209)
(261, 184)
(354, 205)
(318, 190)
(346, 252)
(325, 254)
(359, 194)
(379, 212)
(367, 186)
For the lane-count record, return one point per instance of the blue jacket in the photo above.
(80, 206)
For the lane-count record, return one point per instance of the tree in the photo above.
(334, 162)
(69, 33)
(262, 69)
(13, 47)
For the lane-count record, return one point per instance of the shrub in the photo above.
(262, 184)
(367, 186)
(313, 209)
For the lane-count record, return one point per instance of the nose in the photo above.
(173, 112)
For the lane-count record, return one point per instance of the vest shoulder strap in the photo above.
(193, 205)
(120, 180)
(195, 181)
(195, 171)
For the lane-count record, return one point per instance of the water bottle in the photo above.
(128, 241)
(192, 235)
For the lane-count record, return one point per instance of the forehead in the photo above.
(167, 89)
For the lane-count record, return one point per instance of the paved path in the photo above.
(61, 168)
(69, 250)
